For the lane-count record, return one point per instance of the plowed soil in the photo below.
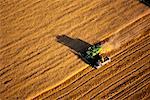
(34, 64)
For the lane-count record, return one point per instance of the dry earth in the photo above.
(34, 65)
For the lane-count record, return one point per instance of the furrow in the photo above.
(135, 86)
(6, 46)
(138, 89)
(118, 76)
(77, 87)
(146, 98)
(20, 38)
(130, 80)
(9, 6)
(139, 41)
(58, 47)
(28, 5)
(142, 94)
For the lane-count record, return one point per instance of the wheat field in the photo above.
(35, 65)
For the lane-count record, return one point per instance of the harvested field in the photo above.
(34, 64)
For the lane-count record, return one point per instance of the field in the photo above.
(36, 64)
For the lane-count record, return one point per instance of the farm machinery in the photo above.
(92, 55)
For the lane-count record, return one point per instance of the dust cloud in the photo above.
(117, 40)
(112, 44)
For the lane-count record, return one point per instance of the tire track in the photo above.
(144, 92)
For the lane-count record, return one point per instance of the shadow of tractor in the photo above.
(77, 45)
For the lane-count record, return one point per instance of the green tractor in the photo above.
(93, 56)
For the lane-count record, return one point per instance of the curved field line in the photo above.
(123, 85)
(29, 34)
(48, 59)
(27, 78)
(140, 87)
(10, 5)
(58, 47)
(7, 66)
(105, 69)
(117, 80)
(94, 76)
(130, 86)
(31, 82)
(41, 27)
(27, 6)
(76, 88)
(105, 88)
(27, 17)
(136, 79)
